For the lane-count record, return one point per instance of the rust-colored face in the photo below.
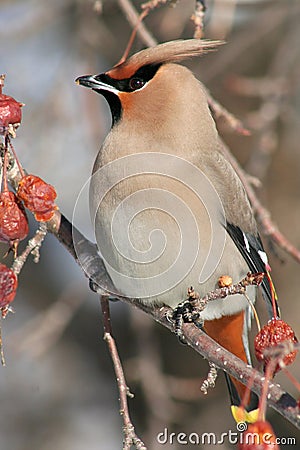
(118, 83)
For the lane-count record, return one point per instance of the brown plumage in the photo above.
(168, 209)
(172, 52)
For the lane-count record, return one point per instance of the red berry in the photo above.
(8, 286)
(258, 436)
(273, 333)
(38, 197)
(13, 220)
(10, 111)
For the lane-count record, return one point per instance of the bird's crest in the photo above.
(168, 52)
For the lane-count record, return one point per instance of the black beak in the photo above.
(95, 82)
(86, 80)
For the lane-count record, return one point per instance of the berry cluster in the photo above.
(32, 193)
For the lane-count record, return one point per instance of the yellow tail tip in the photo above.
(241, 415)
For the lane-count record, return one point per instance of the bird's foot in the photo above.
(188, 311)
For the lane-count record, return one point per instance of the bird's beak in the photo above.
(94, 82)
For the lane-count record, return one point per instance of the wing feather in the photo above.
(252, 250)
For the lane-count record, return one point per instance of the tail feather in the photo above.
(231, 333)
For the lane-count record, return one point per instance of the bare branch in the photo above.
(262, 214)
(201, 343)
(152, 4)
(86, 255)
(253, 279)
(33, 247)
(210, 380)
(133, 18)
(278, 399)
(219, 112)
(198, 18)
(130, 437)
(147, 370)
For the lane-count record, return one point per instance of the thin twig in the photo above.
(130, 437)
(264, 393)
(135, 21)
(273, 90)
(265, 23)
(219, 112)
(133, 18)
(92, 265)
(210, 380)
(190, 310)
(147, 370)
(132, 37)
(198, 18)
(152, 4)
(278, 399)
(33, 246)
(237, 288)
(2, 357)
(85, 253)
(262, 214)
(280, 350)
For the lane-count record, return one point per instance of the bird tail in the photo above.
(248, 413)
(244, 402)
(232, 333)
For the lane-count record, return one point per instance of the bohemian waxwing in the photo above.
(169, 211)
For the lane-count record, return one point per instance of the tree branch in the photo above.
(133, 18)
(130, 437)
(278, 399)
(262, 214)
(85, 254)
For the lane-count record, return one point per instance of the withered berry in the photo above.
(38, 196)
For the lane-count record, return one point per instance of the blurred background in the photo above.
(58, 389)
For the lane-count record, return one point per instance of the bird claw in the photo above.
(93, 286)
(186, 312)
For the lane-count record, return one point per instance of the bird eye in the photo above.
(136, 83)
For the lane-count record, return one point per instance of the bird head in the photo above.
(145, 85)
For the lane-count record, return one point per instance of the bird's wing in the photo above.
(252, 250)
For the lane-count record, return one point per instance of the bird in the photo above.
(168, 209)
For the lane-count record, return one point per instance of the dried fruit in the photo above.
(258, 436)
(38, 196)
(13, 220)
(10, 111)
(8, 286)
(273, 333)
